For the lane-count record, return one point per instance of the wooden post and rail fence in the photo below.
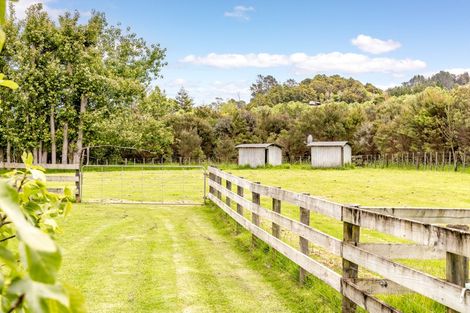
(76, 178)
(418, 225)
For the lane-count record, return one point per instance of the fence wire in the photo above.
(149, 184)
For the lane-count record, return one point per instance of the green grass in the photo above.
(172, 259)
(143, 258)
(371, 186)
(140, 184)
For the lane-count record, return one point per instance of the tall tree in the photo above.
(263, 84)
(184, 101)
(71, 74)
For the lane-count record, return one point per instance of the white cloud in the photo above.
(206, 92)
(458, 71)
(374, 45)
(240, 12)
(387, 86)
(22, 5)
(323, 62)
(238, 60)
(179, 81)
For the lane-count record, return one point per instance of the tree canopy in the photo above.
(93, 84)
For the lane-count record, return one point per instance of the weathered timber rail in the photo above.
(76, 177)
(413, 224)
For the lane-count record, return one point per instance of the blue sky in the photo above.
(217, 48)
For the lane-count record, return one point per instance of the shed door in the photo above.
(266, 156)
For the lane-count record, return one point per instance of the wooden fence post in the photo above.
(239, 207)
(255, 198)
(228, 185)
(351, 235)
(303, 242)
(211, 177)
(218, 180)
(276, 229)
(78, 186)
(456, 266)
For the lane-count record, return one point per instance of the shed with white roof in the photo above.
(259, 154)
(330, 153)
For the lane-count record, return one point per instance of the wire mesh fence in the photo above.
(437, 160)
(152, 184)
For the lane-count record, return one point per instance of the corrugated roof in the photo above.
(328, 144)
(257, 145)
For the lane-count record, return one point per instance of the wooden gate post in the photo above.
(239, 207)
(276, 229)
(456, 266)
(255, 198)
(303, 242)
(351, 235)
(228, 185)
(78, 186)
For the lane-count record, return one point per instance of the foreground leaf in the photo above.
(43, 266)
(37, 294)
(32, 237)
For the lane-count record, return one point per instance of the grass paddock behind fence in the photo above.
(119, 236)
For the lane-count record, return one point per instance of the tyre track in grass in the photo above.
(225, 275)
(159, 259)
(199, 290)
(113, 266)
(158, 287)
(91, 267)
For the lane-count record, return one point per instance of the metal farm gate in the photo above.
(146, 184)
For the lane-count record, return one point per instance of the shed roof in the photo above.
(328, 144)
(257, 145)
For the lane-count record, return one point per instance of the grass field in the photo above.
(143, 258)
(171, 259)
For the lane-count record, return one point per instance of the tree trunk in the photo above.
(78, 151)
(40, 161)
(454, 155)
(53, 140)
(35, 155)
(44, 155)
(65, 143)
(8, 152)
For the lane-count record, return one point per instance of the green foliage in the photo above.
(71, 74)
(88, 84)
(418, 83)
(320, 89)
(30, 257)
(189, 144)
(183, 100)
(225, 150)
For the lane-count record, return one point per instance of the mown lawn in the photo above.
(144, 258)
(134, 258)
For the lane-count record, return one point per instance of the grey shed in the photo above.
(330, 153)
(259, 154)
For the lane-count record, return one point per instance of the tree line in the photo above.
(72, 76)
(89, 85)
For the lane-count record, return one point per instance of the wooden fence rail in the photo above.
(76, 178)
(431, 242)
